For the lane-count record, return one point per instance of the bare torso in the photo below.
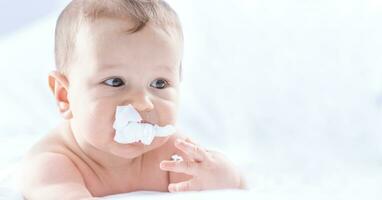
(144, 174)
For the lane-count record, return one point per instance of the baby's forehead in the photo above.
(105, 28)
(106, 46)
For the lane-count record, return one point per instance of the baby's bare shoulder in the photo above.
(47, 153)
(49, 174)
(47, 167)
(47, 163)
(52, 148)
(52, 142)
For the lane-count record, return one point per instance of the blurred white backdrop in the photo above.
(290, 89)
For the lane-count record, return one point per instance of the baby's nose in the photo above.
(142, 102)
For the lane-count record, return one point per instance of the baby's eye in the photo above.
(114, 82)
(159, 84)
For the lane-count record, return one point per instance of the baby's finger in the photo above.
(194, 151)
(183, 186)
(189, 141)
(187, 166)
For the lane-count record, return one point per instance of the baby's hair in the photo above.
(78, 12)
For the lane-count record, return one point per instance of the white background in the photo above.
(290, 90)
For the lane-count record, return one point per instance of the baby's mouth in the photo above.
(146, 122)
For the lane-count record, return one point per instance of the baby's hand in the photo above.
(210, 169)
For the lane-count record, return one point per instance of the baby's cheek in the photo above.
(104, 118)
(97, 123)
(167, 112)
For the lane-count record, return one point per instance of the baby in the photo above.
(117, 87)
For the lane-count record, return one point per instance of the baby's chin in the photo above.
(133, 150)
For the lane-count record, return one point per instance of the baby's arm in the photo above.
(53, 176)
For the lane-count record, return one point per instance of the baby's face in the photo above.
(113, 68)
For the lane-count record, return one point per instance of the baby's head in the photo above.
(111, 53)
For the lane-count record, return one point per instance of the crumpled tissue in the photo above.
(129, 127)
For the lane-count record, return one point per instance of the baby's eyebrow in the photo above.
(168, 68)
(104, 66)
(102, 70)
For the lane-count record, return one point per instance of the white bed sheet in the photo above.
(347, 183)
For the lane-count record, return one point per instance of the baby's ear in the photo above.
(58, 84)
